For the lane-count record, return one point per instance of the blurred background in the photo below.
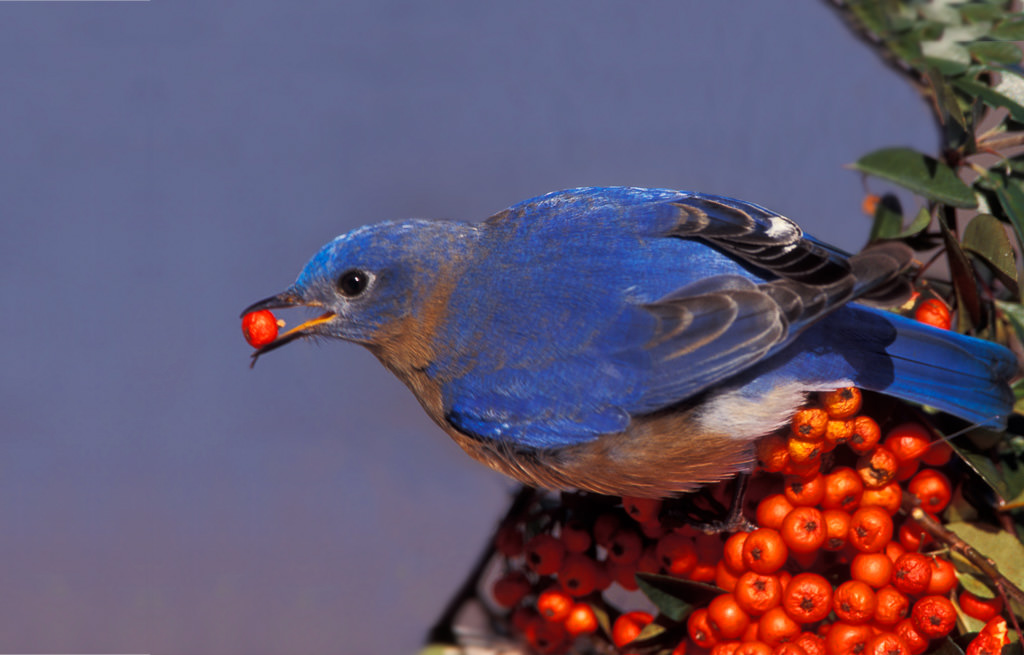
(164, 164)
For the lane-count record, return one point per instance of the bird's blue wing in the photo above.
(671, 293)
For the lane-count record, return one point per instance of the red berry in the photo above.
(933, 312)
(628, 626)
(259, 328)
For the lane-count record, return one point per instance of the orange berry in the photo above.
(915, 642)
(649, 562)
(677, 554)
(547, 637)
(802, 452)
(874, 569)
(908, 441)
(893, 550)
(806, 469)
(843, 489)
(575, 536)
(627, 627)
(870, 529)
(625, 546)
(764, 551)
(732, 552)
(578, 574)
(870, 203)
(772, 511)
(933, 489)
(854, 602)
(996, 628)
(804, 492)
(980, 608)
(776, 626)
(837, 527)
(933, 616)
(753, 648)
(911, 573)
(642, 510)
(938, 454)
(866, 435)
(554, 604)
(845, 638)
(623, 574)
(842, 403)
(790, 648)
(757, 593)
(886, 643)
(906, 470)
(581, 620)
(773, 453)
(259, 328)
(912, 536)
(605, 526)
(510, 588)
(509, 541)
(811, 643)
(544, 554)
(984, 644)
(891, 605)
(726, 617)
(838, 432)
(809, 424)
(877, 468)
(700, 630)
(807, 598)
(888, 498)
(803, 530)
(944, 578)
(934, 312)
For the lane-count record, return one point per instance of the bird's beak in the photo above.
(286, 299)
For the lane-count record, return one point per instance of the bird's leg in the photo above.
(734, 521)
(680, 513)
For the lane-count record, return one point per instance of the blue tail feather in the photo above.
(961, 375)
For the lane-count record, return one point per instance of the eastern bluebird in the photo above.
(632, 341)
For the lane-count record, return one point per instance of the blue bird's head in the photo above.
(371, 284)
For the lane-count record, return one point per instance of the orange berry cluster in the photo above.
(830, 569)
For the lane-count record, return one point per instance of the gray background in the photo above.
(164, 164)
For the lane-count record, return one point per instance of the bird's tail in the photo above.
(961, 375)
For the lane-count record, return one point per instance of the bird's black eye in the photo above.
(352, 283)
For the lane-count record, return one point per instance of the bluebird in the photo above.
(632, 341)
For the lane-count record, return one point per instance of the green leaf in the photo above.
(1009, 30)
(673, 597)
(991, 96)
(972, 580)
(1011, 199)
(999, 52)
(948, 58)
(948, 106)
(918, 225)
(964, 282)
(888, 221)
(1014, 312)
(986, 237)
(1000, 546)
(919, 173)
(981, 12)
